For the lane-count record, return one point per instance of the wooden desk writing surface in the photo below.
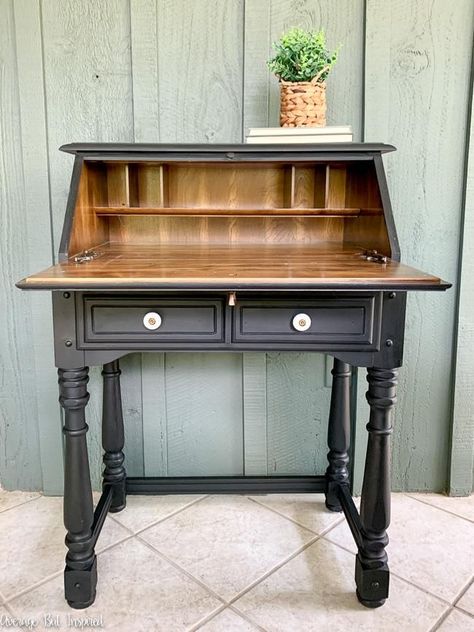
(231, 266)
(229, 248)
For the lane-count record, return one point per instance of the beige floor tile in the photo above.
(429, 547)
(457, 622)
(308, 510)
(461, 506)
(228, 621)
(137, 591)
(227, 541)
(143, 511)
(12, 499)
(32, 543)
(467, 600)
(316, 591)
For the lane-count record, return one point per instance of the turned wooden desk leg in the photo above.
(80, 574)
(339, 429)
(372, 573)
(113, 436)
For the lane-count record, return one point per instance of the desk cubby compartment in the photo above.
(247, 189)
(120, 187)
(177, 201)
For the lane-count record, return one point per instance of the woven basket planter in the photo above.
(302, 104)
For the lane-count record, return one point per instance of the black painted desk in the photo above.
(229, 248)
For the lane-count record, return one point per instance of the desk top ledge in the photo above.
(210, 149)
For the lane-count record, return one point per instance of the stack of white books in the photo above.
(330, 134)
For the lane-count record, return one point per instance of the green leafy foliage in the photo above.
(302, 55)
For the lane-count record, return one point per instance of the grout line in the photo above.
(466, 612)
(440, 508)
(9, 609)
(159, 520)
(273, 570)
(441, 619)
(247, 618)
(32, 587)
(52, 576)
(23, 502)
(463, 591)
(206, 618)
(324, 531)
(183, 570)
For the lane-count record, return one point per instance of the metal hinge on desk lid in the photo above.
(86, 255)
(373, 255)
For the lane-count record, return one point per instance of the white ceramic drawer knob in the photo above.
(301, 322)
(152, 320)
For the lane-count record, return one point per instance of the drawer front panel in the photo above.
(134, 322)
(352, 321)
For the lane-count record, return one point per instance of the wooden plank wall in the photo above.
(194, 71)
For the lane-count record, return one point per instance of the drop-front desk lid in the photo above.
(119, 267)
(283, 217)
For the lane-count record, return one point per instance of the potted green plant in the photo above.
(302, 63)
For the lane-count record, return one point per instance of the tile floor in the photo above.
(225, 563)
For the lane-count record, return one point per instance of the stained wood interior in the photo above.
(191, 202)
(125, 265)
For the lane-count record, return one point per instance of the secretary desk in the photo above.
(229, 248)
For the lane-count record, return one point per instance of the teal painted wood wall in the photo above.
(194, 71)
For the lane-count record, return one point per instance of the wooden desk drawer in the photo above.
(136, 322)
(326, 321)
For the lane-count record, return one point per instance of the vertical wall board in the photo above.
(255, 413)
(38, 234)
(20, 464)
(461, 480)
(204, 414)
(88, 94)
(132, 405)
(297, 405)
(343, 22)
(417, 59)
(257, 45)
(200, 70)
(155, 437)
(146, 84)
(187, 87)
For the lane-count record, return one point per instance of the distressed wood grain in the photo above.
(27, 17)
(204, 414)
(200, 70)
(20, 465)
(155, 431)
(416, 92)
(461, 479)
(255, 413)
(297, 409)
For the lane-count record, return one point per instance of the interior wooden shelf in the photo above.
(230, 212)
(207, 189)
